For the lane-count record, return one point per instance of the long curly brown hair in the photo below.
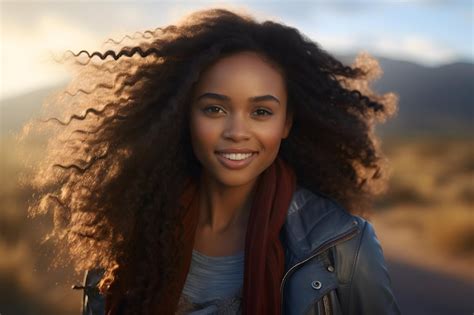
(119, 148)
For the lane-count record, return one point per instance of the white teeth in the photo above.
(236, 156)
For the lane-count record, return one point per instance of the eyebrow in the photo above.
(222, 97)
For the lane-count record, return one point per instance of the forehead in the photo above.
(242, 73)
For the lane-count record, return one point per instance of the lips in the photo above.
(235, 164)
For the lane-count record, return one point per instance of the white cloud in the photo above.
(414, 48)
(338, 43)
(26, 59)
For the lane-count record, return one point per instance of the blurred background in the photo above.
(425, 221)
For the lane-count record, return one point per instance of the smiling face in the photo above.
(238, 104)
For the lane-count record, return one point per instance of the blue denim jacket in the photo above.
(334, 263)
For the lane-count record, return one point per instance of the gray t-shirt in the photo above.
(213, 285)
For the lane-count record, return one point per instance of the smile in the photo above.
(235, 160)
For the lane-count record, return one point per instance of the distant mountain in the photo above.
(15, 111)
(433, 101)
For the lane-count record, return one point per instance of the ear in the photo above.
(288, 124)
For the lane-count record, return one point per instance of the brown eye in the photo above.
(211, 110)
(263, 112)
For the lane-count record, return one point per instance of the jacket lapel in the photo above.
(313, 220)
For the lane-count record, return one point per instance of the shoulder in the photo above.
(363, 275)
(361, 251)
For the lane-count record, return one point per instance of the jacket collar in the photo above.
(314, 219)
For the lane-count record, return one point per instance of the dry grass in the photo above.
(28, 284)
(432, 191)
(446, 229)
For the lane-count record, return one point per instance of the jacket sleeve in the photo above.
(371, 288)
(93, 302)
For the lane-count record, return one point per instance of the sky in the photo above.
(430, 33)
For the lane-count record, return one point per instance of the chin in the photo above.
(234, 180)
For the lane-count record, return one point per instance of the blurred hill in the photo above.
(15, 111)
(433, 101)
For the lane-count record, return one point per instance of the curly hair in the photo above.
(119, 149)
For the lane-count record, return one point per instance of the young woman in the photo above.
(226, 170)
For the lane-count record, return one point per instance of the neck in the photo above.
(224, 208)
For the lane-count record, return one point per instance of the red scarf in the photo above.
(264, 254)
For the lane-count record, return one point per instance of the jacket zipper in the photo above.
(348, 235)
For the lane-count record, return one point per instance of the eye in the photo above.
(211, 109)
(263, 112)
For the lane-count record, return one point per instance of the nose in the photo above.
(236, 129)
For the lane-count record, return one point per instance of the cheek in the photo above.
(271, 138)
(271, 141)
(203, 133)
